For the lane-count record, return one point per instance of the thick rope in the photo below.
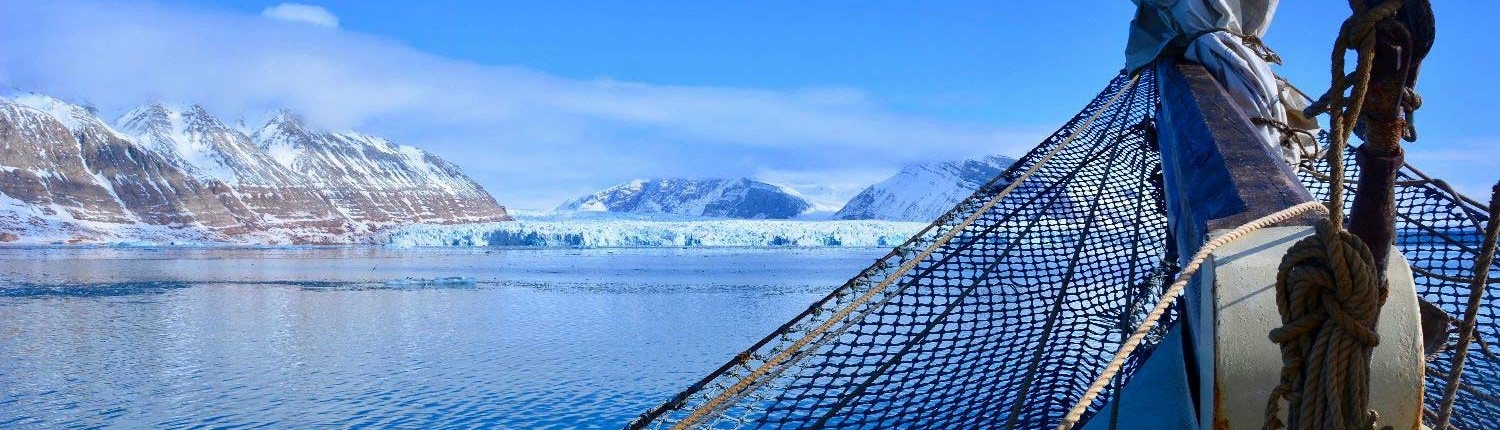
(1476, 292)
(1134, 341)
(1328, 288)
(736, 390)
(1329, 295)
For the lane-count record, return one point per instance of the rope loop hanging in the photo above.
(1357, 33)
(1289, 135)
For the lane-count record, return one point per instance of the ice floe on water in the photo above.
(449, 281)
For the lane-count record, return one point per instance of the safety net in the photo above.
(997, 315)
(1001, 313)
(1440, 232)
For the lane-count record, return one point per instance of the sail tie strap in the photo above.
(1255, 43)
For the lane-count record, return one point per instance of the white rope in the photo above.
(1135, 339)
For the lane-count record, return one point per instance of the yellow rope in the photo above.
(1358, 32)
(1135, 339)
(734, 391)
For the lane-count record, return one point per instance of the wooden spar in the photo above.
(1219, 170)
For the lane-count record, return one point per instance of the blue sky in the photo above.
(542, 101)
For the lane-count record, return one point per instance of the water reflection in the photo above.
(317, 336)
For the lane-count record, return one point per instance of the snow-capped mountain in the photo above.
(923, 192)
(43, 164)
(373, 180)
(205, 148)
(167, 174)
(721, 198)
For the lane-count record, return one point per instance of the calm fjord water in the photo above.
(311, 337)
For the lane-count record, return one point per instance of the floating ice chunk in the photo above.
(450, 281)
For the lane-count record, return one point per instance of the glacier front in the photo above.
(630, 232)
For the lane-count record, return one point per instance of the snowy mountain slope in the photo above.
(144, 182)
(722, 198)
(923, 192)
(375, 181)
(213, 152)
(202, 145)
(183, 175)
(42, 165)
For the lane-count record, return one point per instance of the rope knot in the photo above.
(1359, 29)
(1329, 294)
(1257, 45)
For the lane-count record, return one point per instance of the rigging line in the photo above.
(1476, 293)
(1448, 191)
(1132, 301)
(996, 407)
(1068, 180)
(932, 323)
(1430, 185)
(1133, 263)
(849, 322)
(734, 390)
(881, 264)
(1449, 278)
(1052, 315)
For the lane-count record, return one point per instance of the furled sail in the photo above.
(1225, 37)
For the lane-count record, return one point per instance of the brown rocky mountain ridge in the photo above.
(162, 174)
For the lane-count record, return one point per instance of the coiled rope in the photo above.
(1329, 294)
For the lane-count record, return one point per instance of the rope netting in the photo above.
(1440, 231)
(997, 315)
(1001, 313)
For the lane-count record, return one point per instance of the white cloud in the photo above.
(303, 13)
(1470, 165)
(533, 139)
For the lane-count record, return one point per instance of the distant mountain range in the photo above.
(166, 174)
(918, 193)
(720, 198)
(923, 192)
